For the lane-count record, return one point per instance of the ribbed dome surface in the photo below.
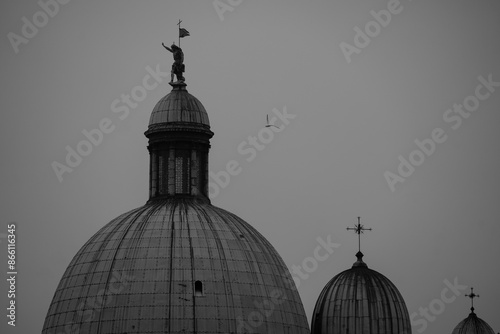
(359, 301)
(473, 325)
(179, 106)
(176, 266)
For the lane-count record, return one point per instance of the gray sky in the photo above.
(326, 167)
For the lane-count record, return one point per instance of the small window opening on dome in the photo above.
(198, 289)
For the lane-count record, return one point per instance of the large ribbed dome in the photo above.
(358, 301)
(177, 266)
(179, 106)
(473, 325)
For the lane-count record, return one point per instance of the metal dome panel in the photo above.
(473, 325)
(179, 106)
(358, 301)
(176, 266)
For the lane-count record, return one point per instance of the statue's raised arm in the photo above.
(166, 47)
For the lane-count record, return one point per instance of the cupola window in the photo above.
(182, 172)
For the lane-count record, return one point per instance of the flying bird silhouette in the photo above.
(268, 125)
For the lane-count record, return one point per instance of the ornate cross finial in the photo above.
(472, 295)
(359, 229)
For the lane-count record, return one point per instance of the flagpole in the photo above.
(179, 24)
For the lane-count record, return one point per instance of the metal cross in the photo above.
(359, 229)
(472, 295)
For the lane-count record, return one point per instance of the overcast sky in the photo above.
(360, 100)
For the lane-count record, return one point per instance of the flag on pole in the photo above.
(183, 33)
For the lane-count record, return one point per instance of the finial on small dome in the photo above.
(358, 229)
(472, 295)
(360, 262)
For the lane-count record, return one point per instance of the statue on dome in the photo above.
(178, 65)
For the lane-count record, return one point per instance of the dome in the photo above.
(473, 325)
(179, 106)
(177, 266)
(360, 300)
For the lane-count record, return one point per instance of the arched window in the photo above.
(182, 171)
(198, 289)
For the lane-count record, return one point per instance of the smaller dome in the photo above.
(473, 325)
(179, 107)
(360, 300)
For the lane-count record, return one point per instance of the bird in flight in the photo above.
(268, 125)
